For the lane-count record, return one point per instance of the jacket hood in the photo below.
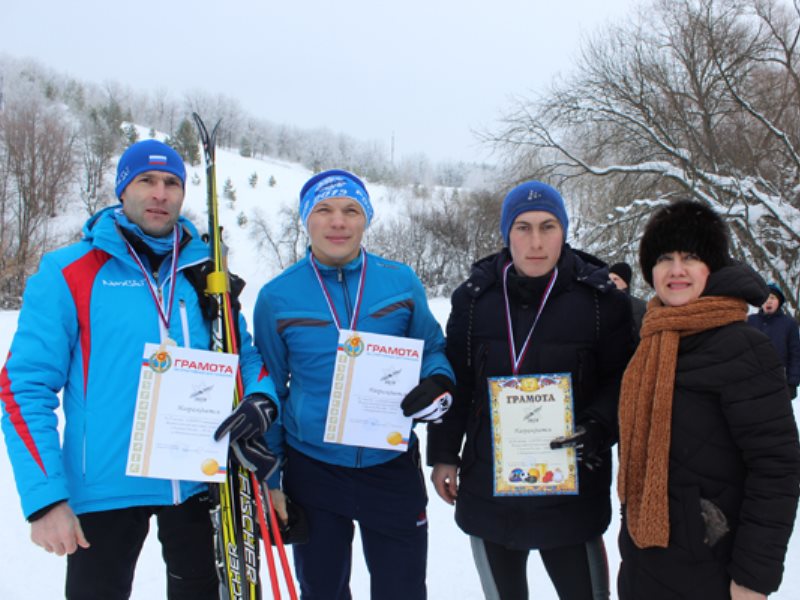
(100, 230)
(737, 281)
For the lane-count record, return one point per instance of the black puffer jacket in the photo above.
(734, 448)
(585, 329)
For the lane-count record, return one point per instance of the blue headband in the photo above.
(334, 183)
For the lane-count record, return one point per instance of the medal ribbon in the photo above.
(165, 317)
(516, 361)
(359, 292)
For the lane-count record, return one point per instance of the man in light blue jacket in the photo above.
(297, 323)
(133, 278)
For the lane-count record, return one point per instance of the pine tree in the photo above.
(253, 181)
(229, 192)
(186, 143)
(245, 147)
(130, 134)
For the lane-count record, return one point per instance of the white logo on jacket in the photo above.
(124, 283)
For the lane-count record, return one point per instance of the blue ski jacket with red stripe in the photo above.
(86, 315)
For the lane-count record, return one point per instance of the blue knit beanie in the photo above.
(774, 289)
(532, 195)
(148, 155)
(334, 183)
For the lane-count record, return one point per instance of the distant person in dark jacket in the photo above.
(620, 274)
(536, 307)
(709, 454)
(784, 333)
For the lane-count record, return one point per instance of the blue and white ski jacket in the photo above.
(86, 315)
(297, 337)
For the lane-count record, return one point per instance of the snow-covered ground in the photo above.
(27, 572)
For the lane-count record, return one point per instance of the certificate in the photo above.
(528, 411)
(373, 373)
(184, 394)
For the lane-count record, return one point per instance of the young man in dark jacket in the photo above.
(536, 307)
(783, 332)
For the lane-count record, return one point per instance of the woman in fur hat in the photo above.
(709, 454)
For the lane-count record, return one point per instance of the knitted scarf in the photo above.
(645, 409)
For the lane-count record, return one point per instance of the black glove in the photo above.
(250, 419)
(429, 400)
(254, 455)
(587, 440)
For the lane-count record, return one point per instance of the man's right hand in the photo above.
(279, 504)
(59, 531)
(444, 481)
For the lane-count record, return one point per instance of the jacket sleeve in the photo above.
(255, 373)
(275, 354)
(445, 439)
(762, 424)
(793, 355)
(35, 372)
(424, 326)
(614, 350)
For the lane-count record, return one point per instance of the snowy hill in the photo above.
(26, 571)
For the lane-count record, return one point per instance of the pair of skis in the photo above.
(238, 504)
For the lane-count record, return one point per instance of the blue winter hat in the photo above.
(532, 195)
(774, 289)
(148, 155)
(334, 183)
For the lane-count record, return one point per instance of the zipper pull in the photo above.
(340, 274)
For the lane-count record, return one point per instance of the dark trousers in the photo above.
(578, 572)
(104, 571)
(388, 502)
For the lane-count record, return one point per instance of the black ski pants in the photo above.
(104, 571)
(578, 572)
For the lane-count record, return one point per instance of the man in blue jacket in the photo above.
(86, 315)
(297, 323)
(784, 333)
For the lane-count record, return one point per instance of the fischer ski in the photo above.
(233, 514)
(239, 502)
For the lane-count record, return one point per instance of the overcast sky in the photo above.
(426, 71)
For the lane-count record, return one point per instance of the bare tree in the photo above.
(38, 164)
(441, 238)
(690, 97)
(284, 241)
(100, 137)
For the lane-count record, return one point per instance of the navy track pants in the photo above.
(387, 501)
